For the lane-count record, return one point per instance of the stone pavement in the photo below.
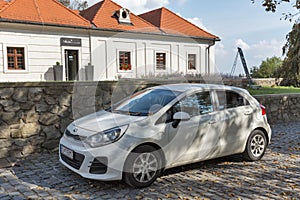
(276, 176)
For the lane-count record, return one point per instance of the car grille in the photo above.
(76, 162)
(99, 166)
(75, 137)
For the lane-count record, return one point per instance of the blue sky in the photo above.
(236, 22)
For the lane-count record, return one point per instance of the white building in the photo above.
(111, 38)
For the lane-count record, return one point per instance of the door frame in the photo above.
(63, 49)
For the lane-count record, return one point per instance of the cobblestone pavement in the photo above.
(276, 176)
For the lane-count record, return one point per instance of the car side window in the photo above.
(230, 99)
(195, 104)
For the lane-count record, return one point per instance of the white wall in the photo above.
(42, 51)
(105, 57)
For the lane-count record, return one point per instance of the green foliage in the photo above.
(290, 70)
(65, 2)
(271, 6)
(267, 69)
(274, 90)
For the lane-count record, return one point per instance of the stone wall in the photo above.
(281, 107)
(267, 81)
(33, 116)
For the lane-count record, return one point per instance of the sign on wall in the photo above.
(74, 42)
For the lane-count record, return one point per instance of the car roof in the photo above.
(183, 87)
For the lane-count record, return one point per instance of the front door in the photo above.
(197, 138)
(71, 63)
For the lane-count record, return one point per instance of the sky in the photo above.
(238, 23)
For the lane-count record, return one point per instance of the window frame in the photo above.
(119, 60)
(165, 61)
(166, 118)
(246, 101)
(25, 59)
(188, 61)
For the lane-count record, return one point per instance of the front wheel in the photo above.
(256, 146)
(142, 167)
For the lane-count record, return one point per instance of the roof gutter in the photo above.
(159, 34)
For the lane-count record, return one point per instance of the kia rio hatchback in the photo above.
(164, 127)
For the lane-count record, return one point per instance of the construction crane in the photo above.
(240, 52)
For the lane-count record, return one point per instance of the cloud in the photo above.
(254, 53)
(261, 50)
(220, 49)
(272, 47)
(141, 6)
(198, 22)
(240, 43)
(181, 2)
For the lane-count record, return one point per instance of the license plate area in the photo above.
(67, 152)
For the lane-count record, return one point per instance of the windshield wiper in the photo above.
(128, 113)
(134, 113)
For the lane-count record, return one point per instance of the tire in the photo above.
(142, 167)
(256, 146)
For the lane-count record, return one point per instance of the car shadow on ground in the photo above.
(46, 172)
(276, 176)
(227, 177)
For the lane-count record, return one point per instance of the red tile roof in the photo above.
(101, 15)
(2, 4)
(161, 21)
(41, 11)
(171, 23)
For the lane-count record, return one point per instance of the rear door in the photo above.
(235, 115)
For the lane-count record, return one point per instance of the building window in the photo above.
(124, 60)
(191, 61)
(15, 58)
(161, 61)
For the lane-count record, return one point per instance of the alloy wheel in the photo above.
(257, 145)
(145, 167)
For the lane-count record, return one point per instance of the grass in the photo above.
(274, 90)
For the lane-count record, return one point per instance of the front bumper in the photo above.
(84, 157)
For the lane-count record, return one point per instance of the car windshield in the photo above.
(146, 102)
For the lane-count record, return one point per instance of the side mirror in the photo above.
(180, 116)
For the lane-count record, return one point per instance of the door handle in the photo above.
(212, 122)
(248, 112)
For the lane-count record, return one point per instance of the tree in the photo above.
(271, 6)
(267, 69)
(75, 4)
(290, 69)
(65, 2)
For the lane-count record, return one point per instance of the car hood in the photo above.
(103, 120)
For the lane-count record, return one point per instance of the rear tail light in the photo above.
(263, 110)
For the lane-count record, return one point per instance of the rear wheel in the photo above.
(142, 167)
(256, 146)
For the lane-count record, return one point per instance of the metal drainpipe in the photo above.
(208, 55)
(90, 44)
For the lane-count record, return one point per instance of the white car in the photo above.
(163, 127)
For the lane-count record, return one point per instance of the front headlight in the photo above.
(106, 137)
